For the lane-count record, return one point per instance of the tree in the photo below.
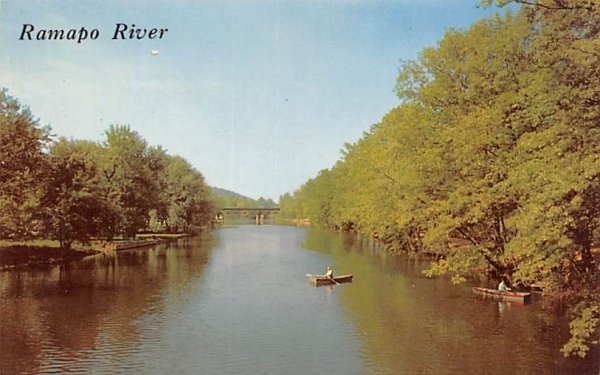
(128, 178)
(491, 160)
(72, 205)
(22, 167)
(472, 88)
(526, 160)
(188, 202)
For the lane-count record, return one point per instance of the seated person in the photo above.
(329, 273)
(502, 286)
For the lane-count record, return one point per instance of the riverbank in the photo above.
(39, 253)
(141, 241)
(28, 256)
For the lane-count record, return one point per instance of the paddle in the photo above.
(328, 277)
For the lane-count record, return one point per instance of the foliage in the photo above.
(127, 177)
(22, 167)
(225, 198)
(490, 161)
(75, 190)
(186, 195)
(584, 330)
(72, 206)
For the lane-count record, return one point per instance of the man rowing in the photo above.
(329, 272)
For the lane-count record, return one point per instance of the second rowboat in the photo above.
(502, 296)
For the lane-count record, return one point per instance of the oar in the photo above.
(332, 279)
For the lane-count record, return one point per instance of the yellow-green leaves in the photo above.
(495, 147)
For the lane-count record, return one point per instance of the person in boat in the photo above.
(502, 286)
(329, 272)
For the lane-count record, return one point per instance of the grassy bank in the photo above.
(25, 254)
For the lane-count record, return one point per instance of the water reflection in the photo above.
(238, 302)
(58, 319)
(410, 324)
(502, 308)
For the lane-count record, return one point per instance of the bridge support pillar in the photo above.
(259, 218)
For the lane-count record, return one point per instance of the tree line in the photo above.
(491, 161)
(226, 198)
(75, 190)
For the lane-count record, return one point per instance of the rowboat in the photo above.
(318, 280)
(502, 296)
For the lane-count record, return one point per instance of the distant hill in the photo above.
(226, 193)
(228, 198)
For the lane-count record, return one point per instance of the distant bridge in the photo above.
(247, 209)
(257, 213)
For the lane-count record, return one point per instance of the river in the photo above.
(237, 301)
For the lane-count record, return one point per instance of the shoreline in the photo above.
(31, 255)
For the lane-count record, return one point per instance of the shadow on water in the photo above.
(410, 324)
(57, 320)
(237, 301)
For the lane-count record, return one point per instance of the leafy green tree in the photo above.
(563, 225)
(188, 195)
(490, 161)
(469, 86)
(159, 212)
(72, 207)
(22, 167)
(224, 198)
(286, 204)
(128, 178)
(265, 203)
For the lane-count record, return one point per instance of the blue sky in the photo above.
(258, 95)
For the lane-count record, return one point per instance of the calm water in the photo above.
(237, 301)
